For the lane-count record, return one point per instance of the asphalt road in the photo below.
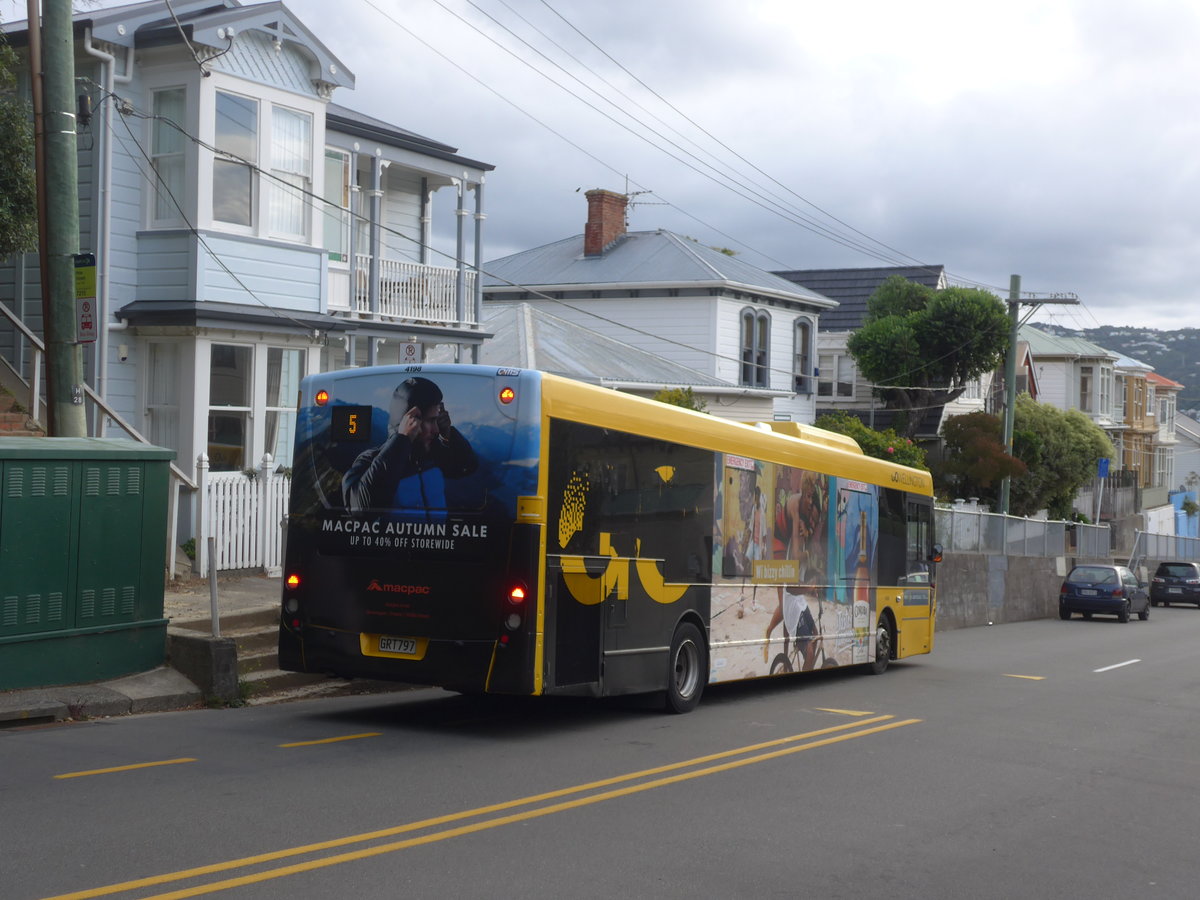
(1041, 759)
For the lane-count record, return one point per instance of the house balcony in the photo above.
(408, 292)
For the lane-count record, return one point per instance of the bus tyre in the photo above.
(883, 647)
(688, 669)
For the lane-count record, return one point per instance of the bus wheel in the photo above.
(688, 672)
(883, 647)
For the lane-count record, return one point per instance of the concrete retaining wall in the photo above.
(982, 590)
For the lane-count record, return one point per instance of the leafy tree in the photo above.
(975, 462)
(18, 191)
(684, 397)
(1060, 451)
(920, 347)
(885, 444)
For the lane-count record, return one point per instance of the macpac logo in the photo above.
(398, 588)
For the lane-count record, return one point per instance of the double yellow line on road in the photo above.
(633, 782)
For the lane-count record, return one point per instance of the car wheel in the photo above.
(1087, 615)
(1063, 612)
(1123, 615)
(1154, 602)
(688, 671)
(1168, 603)
(1144, 614)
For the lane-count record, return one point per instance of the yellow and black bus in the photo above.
(510, 531)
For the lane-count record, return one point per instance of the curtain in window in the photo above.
(167, 153)
(291, 163)
(284, 370)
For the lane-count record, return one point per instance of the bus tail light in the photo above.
(517, 595)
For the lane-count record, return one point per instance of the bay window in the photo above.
(250, 135)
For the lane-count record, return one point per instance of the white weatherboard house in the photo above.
(749, 334)
(247, 231)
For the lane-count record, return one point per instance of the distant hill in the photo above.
(1173, 354)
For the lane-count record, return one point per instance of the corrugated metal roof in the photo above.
(851, 288)
(1043, 344)
(528, 337)
(639, 259)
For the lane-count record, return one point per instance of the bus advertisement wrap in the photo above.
(509, 531)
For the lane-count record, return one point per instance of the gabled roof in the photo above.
(1161, 381)
(640, 260)
(851, 288)
(527, 336)
(1043, 345)
(207, 23)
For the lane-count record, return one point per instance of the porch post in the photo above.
(376, 195)
(477, 298)
(426, 220)
(460, 284)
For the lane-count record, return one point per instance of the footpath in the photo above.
(237, 669)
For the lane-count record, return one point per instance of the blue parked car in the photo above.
(1108, 590)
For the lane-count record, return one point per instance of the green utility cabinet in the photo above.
(83, 532)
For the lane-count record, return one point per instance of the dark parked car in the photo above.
(1109, 590)
(1176, 581)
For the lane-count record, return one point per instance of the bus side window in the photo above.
(920, 539)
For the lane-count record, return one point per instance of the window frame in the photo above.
(754, 340)
(278, 212)
(803, 373)
(830, 385)
(340, 219)
(178, 202)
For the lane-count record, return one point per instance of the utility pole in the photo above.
(58, 219)
(1010, 366)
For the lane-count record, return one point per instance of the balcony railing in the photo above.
(413, 292)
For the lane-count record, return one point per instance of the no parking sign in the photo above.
(410, 352)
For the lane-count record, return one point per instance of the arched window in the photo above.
(756, 340)
(802, 371)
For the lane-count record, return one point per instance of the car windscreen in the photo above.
(1092, 575)
(1180, 570)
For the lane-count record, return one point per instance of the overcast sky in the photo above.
(1053, 139)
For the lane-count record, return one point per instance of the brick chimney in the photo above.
(606, 220)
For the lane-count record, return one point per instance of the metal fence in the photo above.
(1150, 546)
(962, 529)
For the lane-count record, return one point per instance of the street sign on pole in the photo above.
(85, 298)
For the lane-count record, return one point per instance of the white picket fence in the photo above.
(244, 515)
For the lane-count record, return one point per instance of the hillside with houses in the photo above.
(1172, 354)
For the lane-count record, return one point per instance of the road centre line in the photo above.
(819, 738)
(1128, 662)
(129, 768)
(1027, 677)
(844, 712)
(333, 740)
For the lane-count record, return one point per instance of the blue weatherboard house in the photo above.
(247, 231)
